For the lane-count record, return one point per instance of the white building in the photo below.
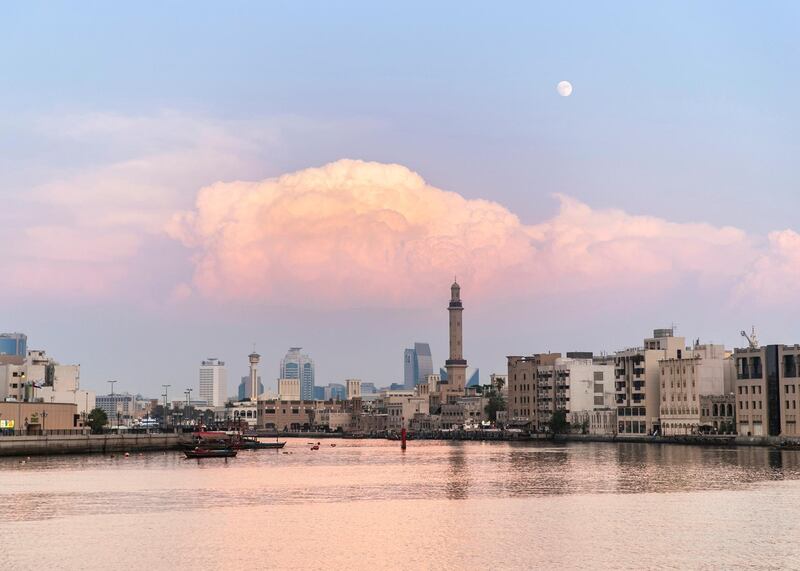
(213, 382)
(41, 378)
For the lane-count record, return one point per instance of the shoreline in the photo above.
(49, 445)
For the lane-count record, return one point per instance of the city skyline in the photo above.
(231, 201)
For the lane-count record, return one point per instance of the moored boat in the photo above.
(210, 453)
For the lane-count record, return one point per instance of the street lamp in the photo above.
(114, 400)
(166, 387)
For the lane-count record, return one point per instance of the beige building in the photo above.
(353, 387)
(637, 379)
(35, 417)
(541, 384)
(695, 372)
(601, 422)
(718, 413)
(401, 406)
(289, 389)
(767, 390)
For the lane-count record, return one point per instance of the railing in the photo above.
(57, 432)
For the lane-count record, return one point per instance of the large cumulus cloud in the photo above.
(355, 233)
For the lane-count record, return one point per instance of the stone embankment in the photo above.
(85, 444)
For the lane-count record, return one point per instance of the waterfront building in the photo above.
(13, 348)
(637, 379)
(767, 389)
(718, 412)
(595, 422)
(290, 416)
(213, 382)
(289, 389)
(466, 412)
(417, 364)
(242, 413)
(39, 377)
(243, 392)
(541, 384)
(693, 373)
(400, 406)
(36, 417)
(297, 365)
(452, 387)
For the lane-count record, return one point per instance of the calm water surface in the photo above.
(439, 505)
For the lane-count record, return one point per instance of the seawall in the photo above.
(698, 440)
(85, 444)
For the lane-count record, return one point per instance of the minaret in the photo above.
(456, 365)
(254, 359)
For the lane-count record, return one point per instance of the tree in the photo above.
(97, 420)
(558, 422)
(496, 403)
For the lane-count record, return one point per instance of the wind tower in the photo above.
(254, 360)
(456, 365)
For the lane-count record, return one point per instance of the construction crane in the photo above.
(752, 340)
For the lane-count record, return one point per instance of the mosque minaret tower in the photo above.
(456, 365)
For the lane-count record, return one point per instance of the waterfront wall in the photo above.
(83, 444)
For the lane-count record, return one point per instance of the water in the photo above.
(439, 505)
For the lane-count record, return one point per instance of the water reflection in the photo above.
(57, 487)
(457, 487)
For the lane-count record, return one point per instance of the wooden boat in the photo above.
(252, 444)
(210, 453)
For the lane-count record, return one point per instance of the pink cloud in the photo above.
(353, 233)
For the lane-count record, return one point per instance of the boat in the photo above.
(210, 453)
(253, 444)
(315, 447)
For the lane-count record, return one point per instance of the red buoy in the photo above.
(403, 439)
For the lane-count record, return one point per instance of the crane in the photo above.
(752, 340)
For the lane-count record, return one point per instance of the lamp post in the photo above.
(114, 400)
(166, 388)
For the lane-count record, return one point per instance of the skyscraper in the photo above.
(296, 365)
(213, 382)
(244, 388)
(417, 365)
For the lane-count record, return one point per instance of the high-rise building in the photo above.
(13, 348)
(767, 386)
(213, 382)
(417, 365)
(244, 388)
(637, 382)
(297, 365)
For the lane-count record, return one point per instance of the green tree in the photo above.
(97, 420)
(496, 403)
(558, 422)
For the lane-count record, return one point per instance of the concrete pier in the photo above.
(85, 444)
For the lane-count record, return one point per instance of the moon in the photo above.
(564, 88)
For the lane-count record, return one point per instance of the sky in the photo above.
(182, 180)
